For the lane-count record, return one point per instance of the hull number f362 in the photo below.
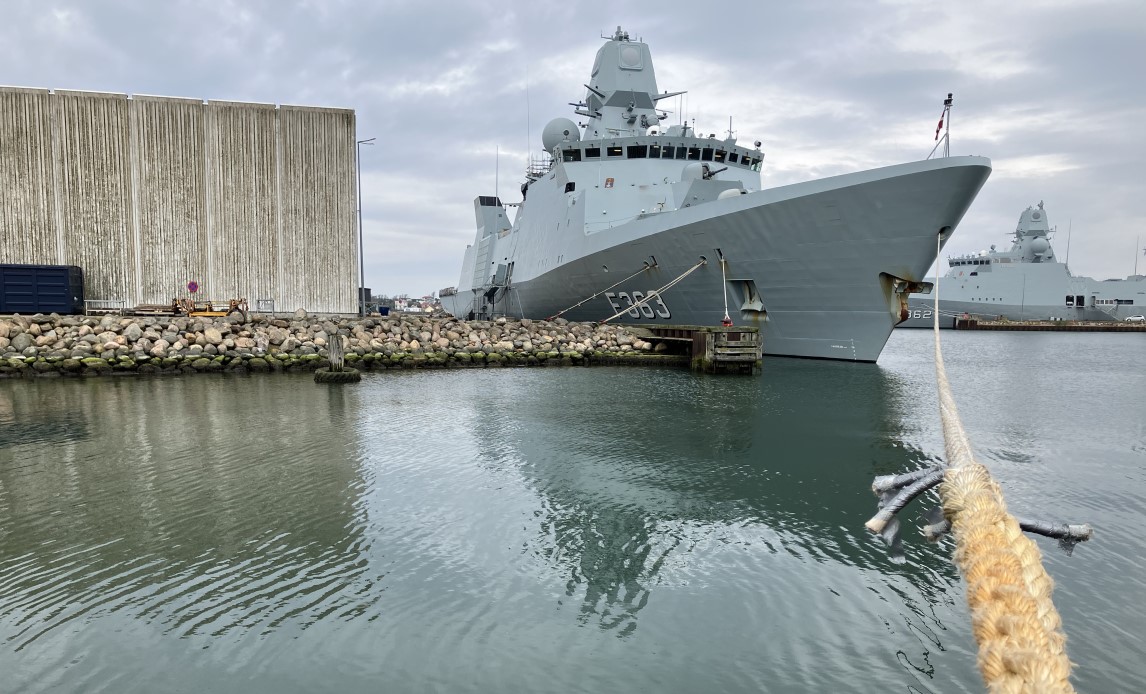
(654, 308)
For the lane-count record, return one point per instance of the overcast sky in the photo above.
(1052, 92)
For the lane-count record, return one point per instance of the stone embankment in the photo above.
(41, 345)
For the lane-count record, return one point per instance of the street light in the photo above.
(361, 259)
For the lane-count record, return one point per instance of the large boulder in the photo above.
(133, 332)
(21, 342)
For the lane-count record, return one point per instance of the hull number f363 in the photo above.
(654, 308)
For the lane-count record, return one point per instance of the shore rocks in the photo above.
(41, 345)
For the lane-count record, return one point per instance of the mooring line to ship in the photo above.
(1022, 647)
(657, 292)
(558, 314)
(726, 322)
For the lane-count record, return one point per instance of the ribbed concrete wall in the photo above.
(92, 139)
(149, 193)
(245, 240)
(305, 213)
(27, 205)
(171, 188)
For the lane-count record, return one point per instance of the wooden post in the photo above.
(335, 349)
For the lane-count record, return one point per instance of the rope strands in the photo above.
(1022, 647)
(657, 292)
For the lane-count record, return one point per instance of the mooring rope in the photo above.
(724, 276)
(558, 314)
(657, 292)
(1021, 644)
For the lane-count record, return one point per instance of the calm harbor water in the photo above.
(553, 530)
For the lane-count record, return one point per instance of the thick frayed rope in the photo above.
(1022, 647)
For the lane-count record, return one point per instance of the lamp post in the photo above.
(361, 259)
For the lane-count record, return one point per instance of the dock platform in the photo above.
(712, 349)
(1056, 326)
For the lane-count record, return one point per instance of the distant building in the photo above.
(150, 194)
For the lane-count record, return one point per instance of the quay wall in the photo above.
(91, 346)
(147, 194)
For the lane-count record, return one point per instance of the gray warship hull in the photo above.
(921, 309)
(625, 220)
(1025, 283)
(818, 266)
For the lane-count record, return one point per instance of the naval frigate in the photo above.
(626, 220)
(1027, 282)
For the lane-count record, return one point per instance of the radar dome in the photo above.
(557, 131)
(1039, 246)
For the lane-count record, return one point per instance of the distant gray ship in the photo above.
(1026, 283)
(655, 224)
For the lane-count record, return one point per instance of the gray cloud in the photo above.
(1047, 90)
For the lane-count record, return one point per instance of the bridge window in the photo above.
(694, 153)
(706, 154)
(638, 151)
(732, 157)
(680, 152)
(614, 151)
(719, 156)
(668, 152)
(654, 151)
(1070, 299)
(592, 152)
(571, 155)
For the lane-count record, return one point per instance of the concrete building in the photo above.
(148, 194)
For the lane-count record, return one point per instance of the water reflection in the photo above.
(38, 416)
(206, 506)
(689, 482)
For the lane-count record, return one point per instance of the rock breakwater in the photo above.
(54, 345)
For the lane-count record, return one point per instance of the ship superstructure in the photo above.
(1028, 282)
(630, 220)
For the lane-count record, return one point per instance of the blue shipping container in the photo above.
(28, 289)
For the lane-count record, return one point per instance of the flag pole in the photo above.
(944, 120)
(947, 134)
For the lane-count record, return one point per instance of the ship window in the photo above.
(681, 152)
(614, 151)
(654, 151)
(1070, 299)
(732, 157)
(706, 154)
(973, 274)
(593, 152)
(694, 153)
(570, 186)
(719, 156)
(571, 154)
(1080, 300)
(668, 152)
(638, 151)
